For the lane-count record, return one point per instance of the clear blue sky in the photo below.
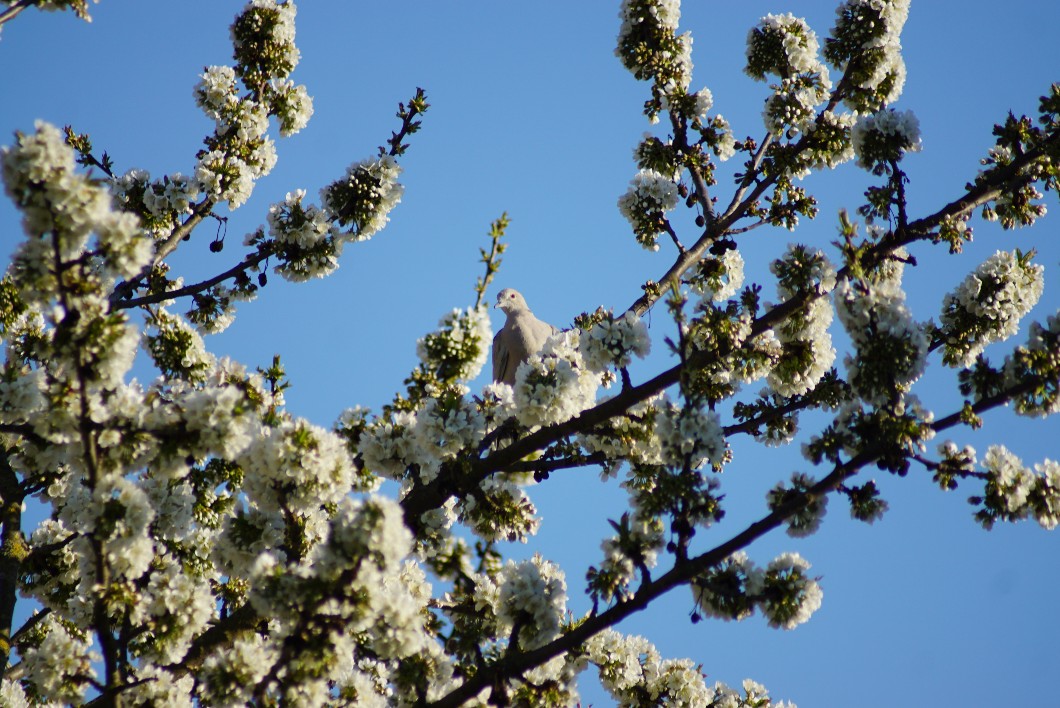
(533, 115)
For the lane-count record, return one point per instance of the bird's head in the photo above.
(510, 300)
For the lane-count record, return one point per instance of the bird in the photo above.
(521, 337)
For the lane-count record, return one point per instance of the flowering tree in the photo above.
(202, 544)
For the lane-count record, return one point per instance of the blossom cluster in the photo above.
(240, 151)
(689, 436)
(59, 662)
(890, 349)
(1038, 360)
(633, 548)
(893, 433)
(531, 595)
(649, 46)
(865, 45)
(613, 342)
(556, 384)
(1014, 492)
(988, 305)
(785, 46)
(783, 591)
(39, 176)
(650, 194)
(161, 203)
(361, 201)
(633, 671)
(807, 519)
(883, 137)
(807, 345)
(628, 438)
(459, 348)
(718, 278)
(828, 141)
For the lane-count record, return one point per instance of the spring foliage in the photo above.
(202, 545)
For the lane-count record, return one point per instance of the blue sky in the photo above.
(532, 114)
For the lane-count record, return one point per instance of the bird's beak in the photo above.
(496, 304)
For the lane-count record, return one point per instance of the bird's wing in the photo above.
(500, 355)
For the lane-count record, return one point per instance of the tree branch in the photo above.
(13, 11)
(13, 551)
(515, 664)
(249, 262)
(200, 211)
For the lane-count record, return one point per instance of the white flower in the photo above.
(1013, 481)
(611, 342)
(891, 349)
(229, 675)
(293, 104)
(532, 594)
(719, 277)
(885, 136)
(789, 595)
(216, 91)
(224, 177)
(988, 305)
(297, 467)
(58, 666)
(449, 427)
(389, 445)
(555, 384)
(12, 695)
(362, 200)
(728, 590)
(689, 434)
(783, 45)
(461, 344)
(649, 195)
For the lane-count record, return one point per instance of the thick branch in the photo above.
(515, 664)
(546, 466)
(12, 552)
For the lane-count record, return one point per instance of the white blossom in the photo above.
(533, 594)
(890, 348)
(1010, 478)
(293, 105)
(790, 596)
(224, 177)
(555, 384)
(689, 435)
(884, 136)
(296, 466)
(56, 667)
(362, 200)
(448, 429)
(867, 46)
(461, 345)
(611, 342)
(988, 305)
(229, 675)
(649, 195)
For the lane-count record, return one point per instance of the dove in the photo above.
(522, 335)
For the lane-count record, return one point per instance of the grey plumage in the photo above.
(521, 336)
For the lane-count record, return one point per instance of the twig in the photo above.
(13, 11)
(248, 262)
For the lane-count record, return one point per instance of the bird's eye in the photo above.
(512, 296)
